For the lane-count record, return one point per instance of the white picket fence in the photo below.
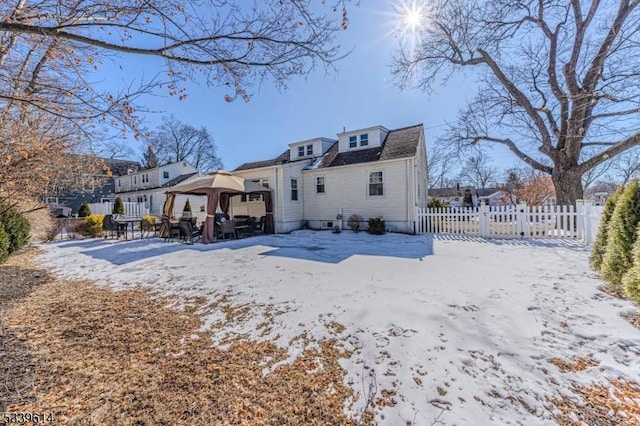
(130, 209)
(520, 221)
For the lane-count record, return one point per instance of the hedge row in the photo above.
(616, 251)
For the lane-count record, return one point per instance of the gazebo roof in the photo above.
(221, 181)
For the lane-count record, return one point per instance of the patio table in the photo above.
(126, 222)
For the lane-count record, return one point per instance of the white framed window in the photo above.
(376, 184)
(309, 149)
(353, 141)
(364, 139)
(202, 208)
(165, 175)
(255, 197)
(119, 183)
(320, 185)
(294, 189)
(301, 151)
(135, 180)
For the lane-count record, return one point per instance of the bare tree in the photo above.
(557, 76)
(478, 171)
(176, 141)
(442, 163)
(50, 49)
(626, 167)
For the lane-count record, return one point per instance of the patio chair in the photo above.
(228, 227)
(259, 226)
(169, 230)
(188, 231)
(148, 227)
(110, 226)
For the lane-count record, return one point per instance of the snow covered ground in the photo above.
(462, 325)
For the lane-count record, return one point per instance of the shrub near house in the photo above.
(91, 226)
(14, 231)
(118, 206)
(85, 210)
(376, 226)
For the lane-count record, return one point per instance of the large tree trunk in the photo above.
(568, 185)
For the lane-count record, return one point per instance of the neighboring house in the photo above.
(96, 187)
(148, 186)
(454, 197)
(319, 183)
(599, 193)
(494, 197)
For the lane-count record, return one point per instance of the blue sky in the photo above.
(360, 94)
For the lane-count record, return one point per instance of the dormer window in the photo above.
(353, 141)
(301, 151)
(364, 139)
(309, 149)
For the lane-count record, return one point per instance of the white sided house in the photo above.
(149, 186)
(319, 183)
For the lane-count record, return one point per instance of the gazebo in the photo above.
(219, 187)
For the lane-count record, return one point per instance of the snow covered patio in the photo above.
(465, 331)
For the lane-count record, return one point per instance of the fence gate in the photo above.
(520, 221)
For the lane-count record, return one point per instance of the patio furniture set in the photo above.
(184, 229)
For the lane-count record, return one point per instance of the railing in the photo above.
(130, 209)
(520, 221)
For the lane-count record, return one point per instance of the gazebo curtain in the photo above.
(167, 210)
(269, 227)
(225, 198)
(208, 232)
(221, 197)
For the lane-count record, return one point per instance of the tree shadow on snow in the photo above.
(304, 245)
(516, 242)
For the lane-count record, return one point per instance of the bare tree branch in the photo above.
(558, 77)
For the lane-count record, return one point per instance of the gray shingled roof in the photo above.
(399, 143)
(280, 159)
(176, 180)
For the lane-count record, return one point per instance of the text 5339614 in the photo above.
(17, 418)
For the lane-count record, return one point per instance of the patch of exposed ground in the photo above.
(578, 364)
(94, 356)
(634, 319)
(614, 405)
(596, 405)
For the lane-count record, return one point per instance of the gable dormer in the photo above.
(354, 140)
(309, 149)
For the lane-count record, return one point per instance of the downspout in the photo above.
(276, 207)
(409, 193)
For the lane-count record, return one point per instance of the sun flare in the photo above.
(412, 14)
(413, 18)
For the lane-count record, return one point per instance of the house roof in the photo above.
(176, 180)
(118, 166)
(487, 192)
(280, 159)
(399, 143)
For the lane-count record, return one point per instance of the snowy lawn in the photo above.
(462, 331)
